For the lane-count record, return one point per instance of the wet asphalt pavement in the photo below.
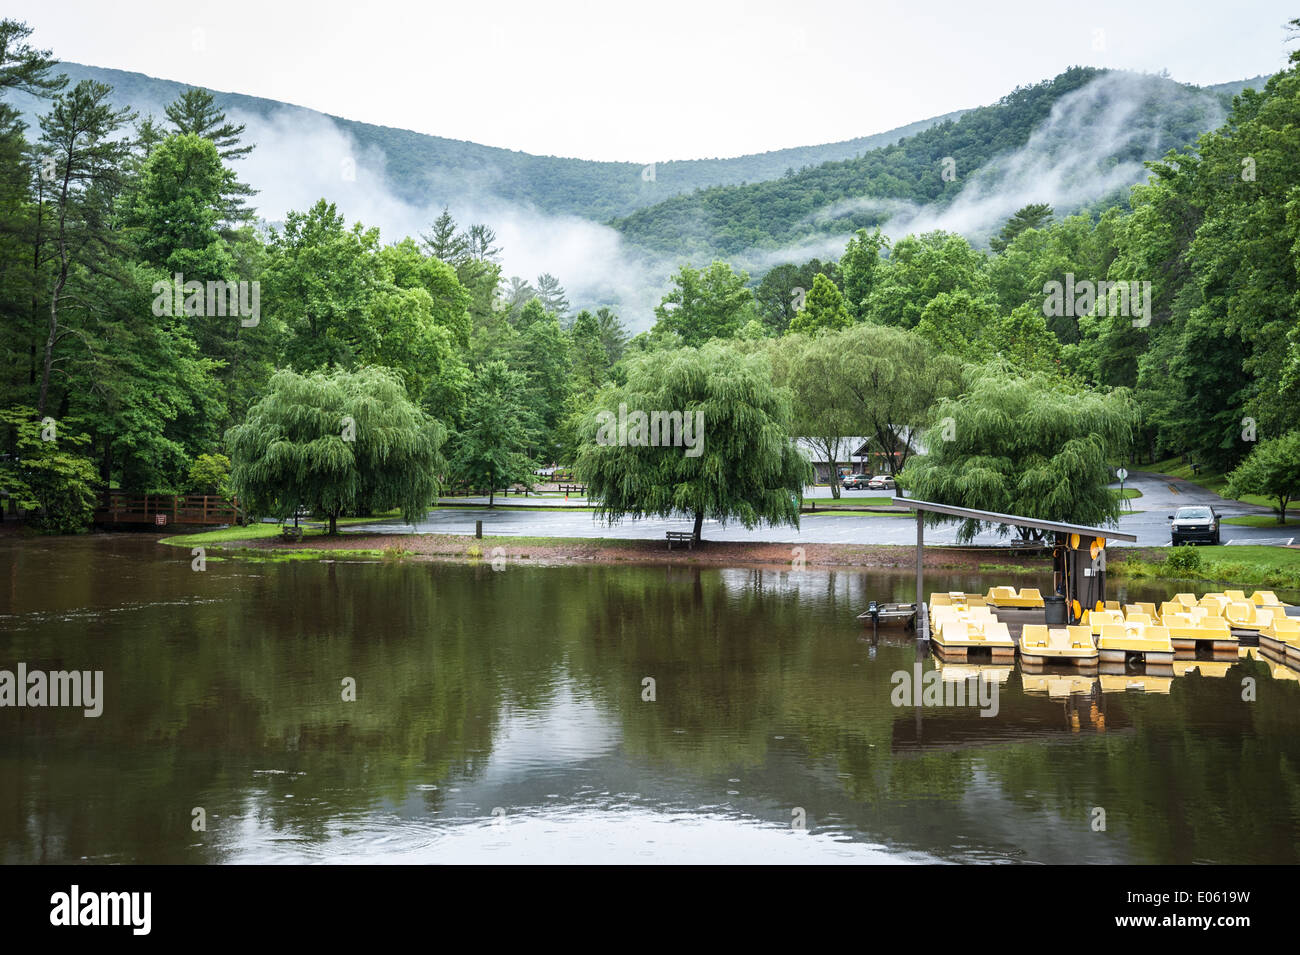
(1148, 521)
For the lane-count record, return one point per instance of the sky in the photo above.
(653, 80)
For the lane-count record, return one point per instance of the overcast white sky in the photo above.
(655, 79)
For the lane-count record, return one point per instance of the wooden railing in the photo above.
(124, 507)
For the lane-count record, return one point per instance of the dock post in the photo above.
(921, 622)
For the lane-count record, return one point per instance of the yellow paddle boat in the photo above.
(1135, 639)
(1007, 597)
(1071, 646)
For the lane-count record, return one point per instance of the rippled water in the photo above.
(499, 716)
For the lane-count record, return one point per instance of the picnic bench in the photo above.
(681, 537)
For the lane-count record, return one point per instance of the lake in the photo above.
(505, 716)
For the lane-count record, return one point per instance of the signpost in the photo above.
(1122, 474)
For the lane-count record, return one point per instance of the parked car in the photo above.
(881, 482)
(855, 482)
(1198, 523)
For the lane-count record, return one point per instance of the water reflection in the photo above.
(502, 715)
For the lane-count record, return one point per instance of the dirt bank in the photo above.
(713, 553)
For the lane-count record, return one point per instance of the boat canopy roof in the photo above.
(1015, 520)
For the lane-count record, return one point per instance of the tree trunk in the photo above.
(54, 300)
(699, 525)
(49, 348)
(334, 524)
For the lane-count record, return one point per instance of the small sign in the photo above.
(160, 519)
(1122, 475)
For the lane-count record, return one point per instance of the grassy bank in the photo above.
(1239, 566)
(1261, 520)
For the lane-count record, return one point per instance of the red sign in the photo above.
(160, 519)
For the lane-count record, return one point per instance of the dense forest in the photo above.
(419, 167)
(727, 220)
(155, 333)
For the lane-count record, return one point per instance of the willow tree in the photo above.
(335, 443)
(702, 432)
(1271, 470)
(1027, 446)
(822, 407)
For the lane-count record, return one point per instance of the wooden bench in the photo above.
(681, 537)
(572, 488)
(291, 533)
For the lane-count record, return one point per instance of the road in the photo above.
(1149, 522)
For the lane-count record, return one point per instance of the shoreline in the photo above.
(1272, 568)
(1128, 564)
(465, 548)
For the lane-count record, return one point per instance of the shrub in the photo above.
(1182, 561)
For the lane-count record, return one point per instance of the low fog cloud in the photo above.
(1066, 162)
(302, 156)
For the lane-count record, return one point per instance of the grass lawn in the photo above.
(223, 535)
(1261, 520)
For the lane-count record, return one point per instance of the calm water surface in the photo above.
(499, 716)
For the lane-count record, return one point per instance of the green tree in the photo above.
(320, 281)
(210, 474)
(739, 462)
(176, 208)
(79, 137)
(444, 241)
(551, 294)
(195, 113)
(920, 268)
(706, 303)
(490, 448)
(783, 289)
(1024, 446)
(22, 67)
(1033, 216)
(822, 406)
(861, 265)
(613, 333)
(48, 472)
(822, 309)
(956, 322)
(1272, 469)
(334, 443)
(891, 378)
